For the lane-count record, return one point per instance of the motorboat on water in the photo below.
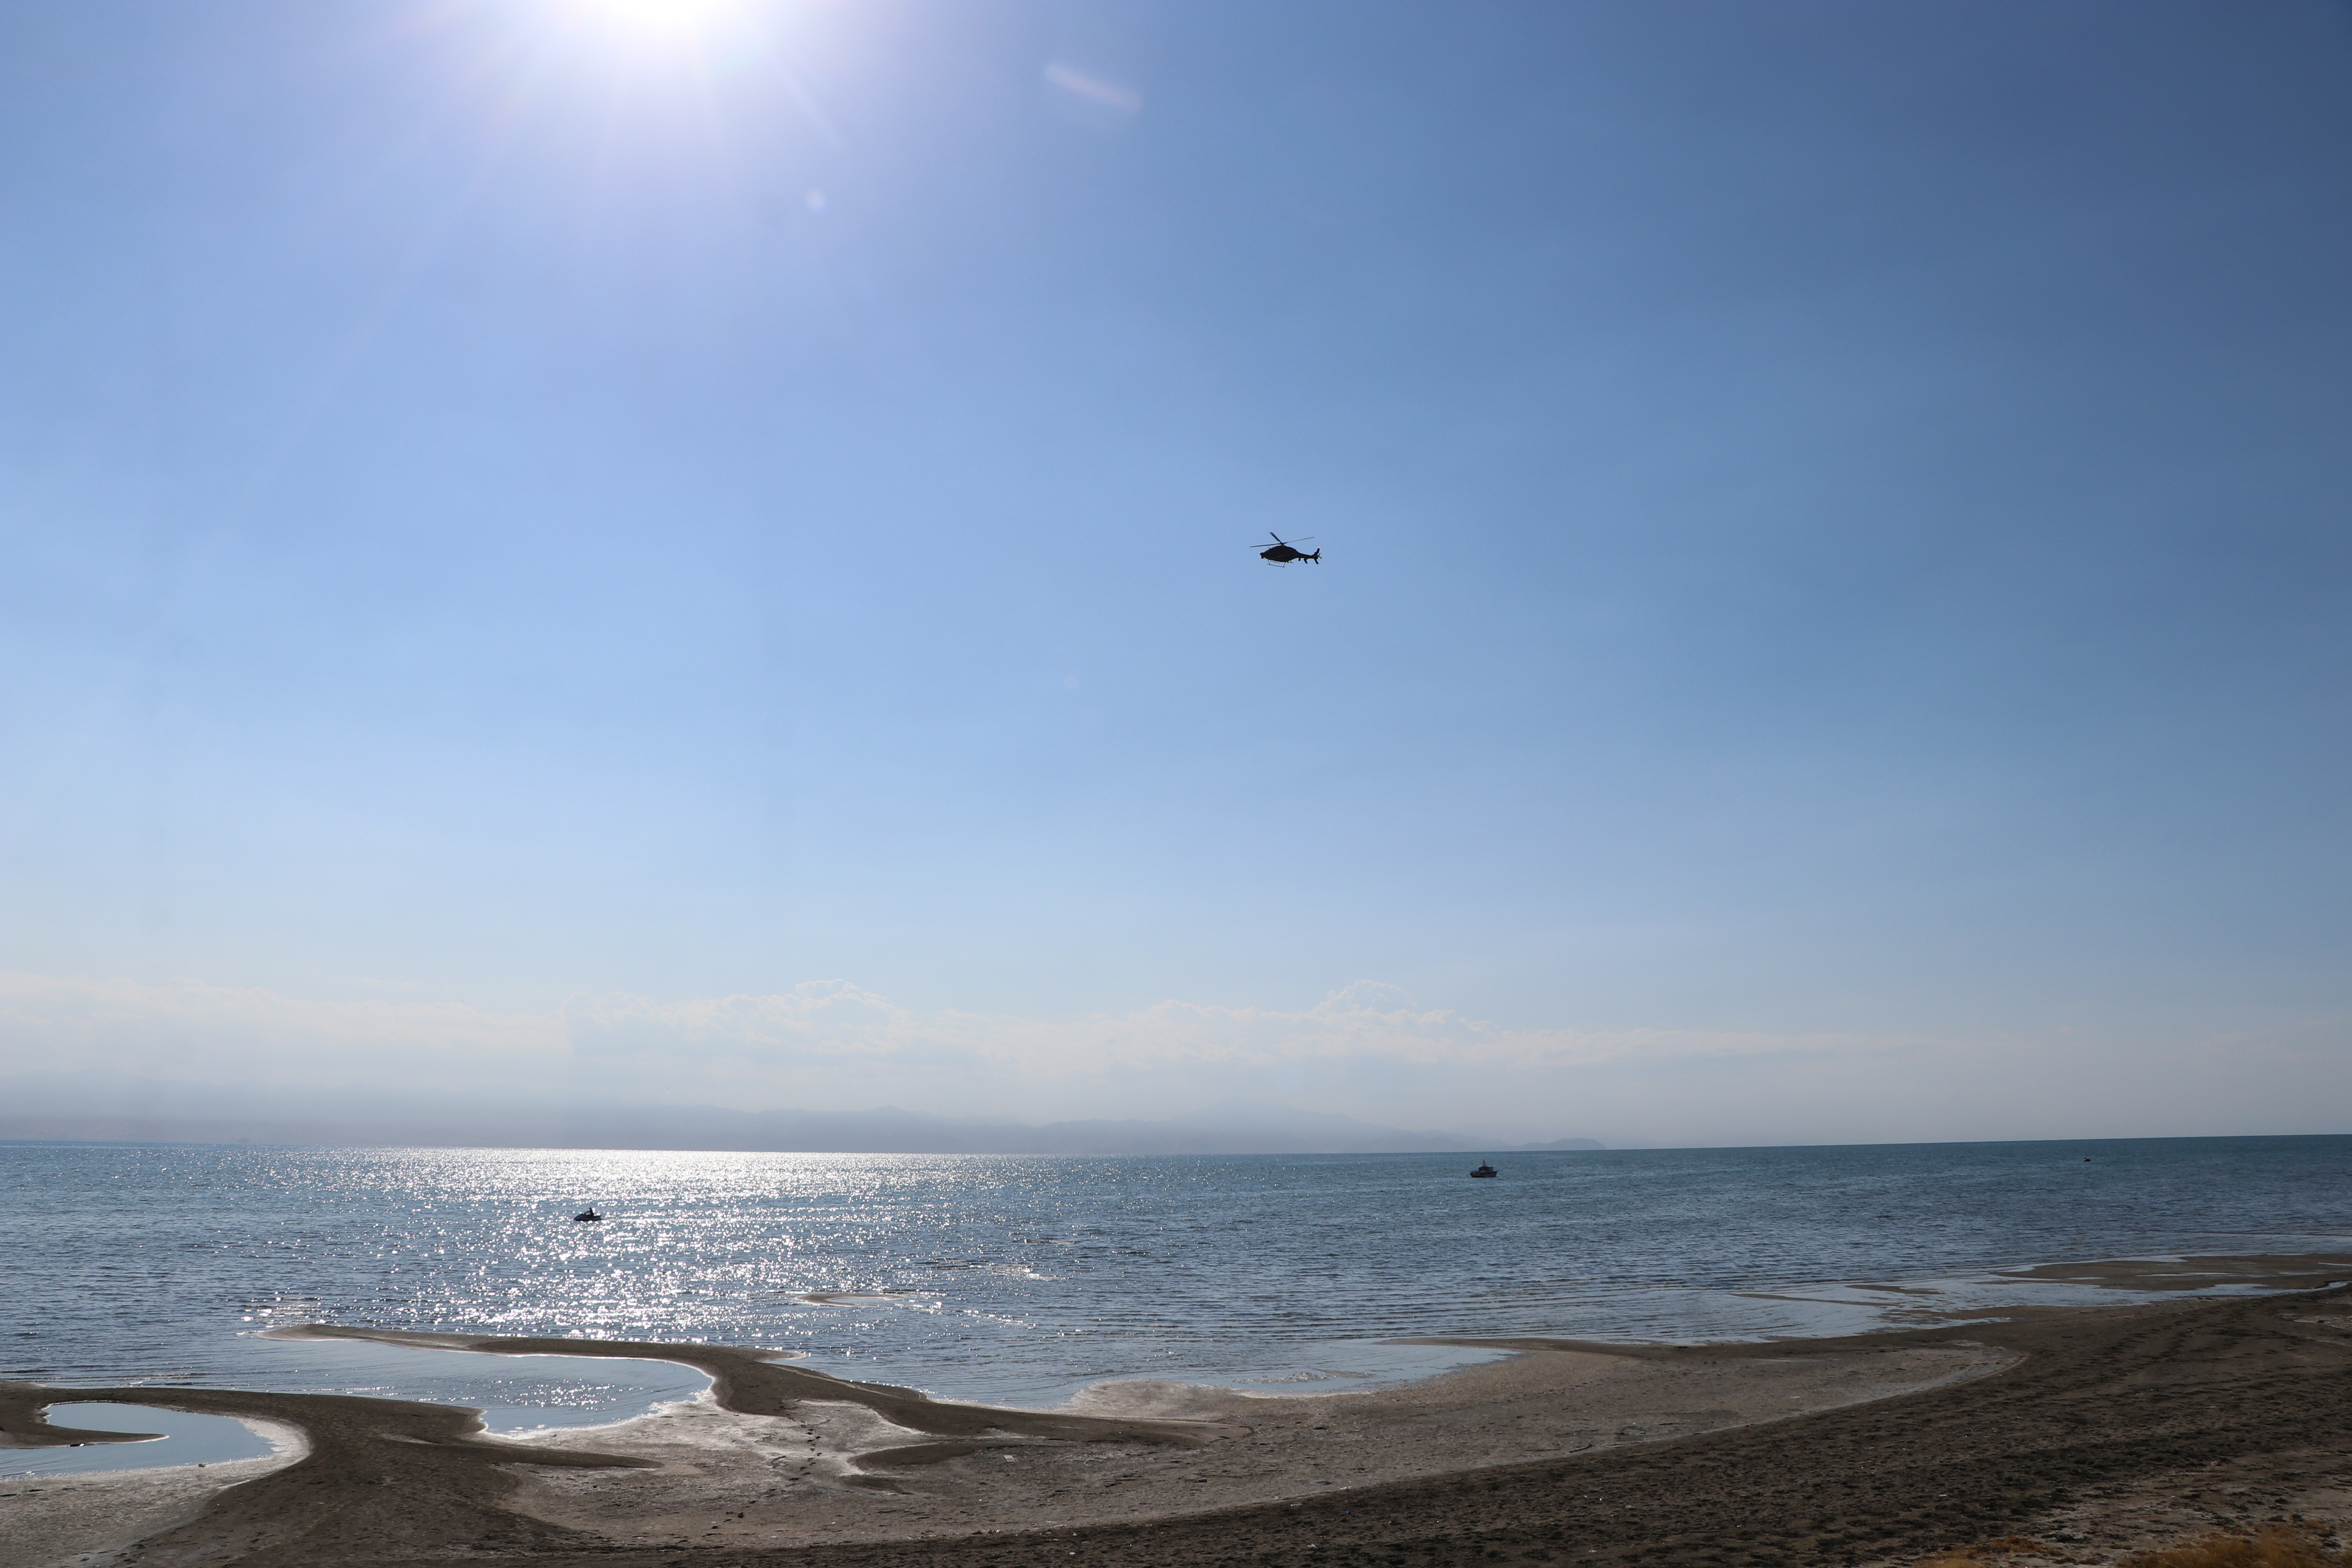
(1485, 1170)
(586, 1216)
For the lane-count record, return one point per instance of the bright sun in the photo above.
(654, 19)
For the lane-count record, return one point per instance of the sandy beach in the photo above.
(2071, 1435)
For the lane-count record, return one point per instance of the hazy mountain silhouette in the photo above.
(90, 1106)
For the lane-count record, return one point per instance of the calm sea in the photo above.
(1022, 1279)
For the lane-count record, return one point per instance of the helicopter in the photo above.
(1284, 553)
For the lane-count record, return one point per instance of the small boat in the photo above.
(586, 1216)
(1486, 1171)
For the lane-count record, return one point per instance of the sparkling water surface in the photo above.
(1019, 1280)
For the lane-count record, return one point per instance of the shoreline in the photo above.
(779, 1457)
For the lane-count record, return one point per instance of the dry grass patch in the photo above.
(2273, 1548)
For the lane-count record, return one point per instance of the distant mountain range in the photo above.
(95, 1106)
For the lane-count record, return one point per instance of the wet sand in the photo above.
(2079, 1432)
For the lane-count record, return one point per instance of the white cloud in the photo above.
(189, 1028)
(1367, 1051)
(823, 1044)
(1367, 1020)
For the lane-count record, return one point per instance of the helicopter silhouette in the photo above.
(1283, 554)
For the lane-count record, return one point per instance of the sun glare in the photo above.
(660, 21)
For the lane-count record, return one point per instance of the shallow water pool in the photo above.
(514, 1393)
(182, 1438)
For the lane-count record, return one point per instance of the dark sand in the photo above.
(2088, 1431)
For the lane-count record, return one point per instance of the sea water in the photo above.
(1023, 1280)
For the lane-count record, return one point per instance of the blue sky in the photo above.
(546, 510)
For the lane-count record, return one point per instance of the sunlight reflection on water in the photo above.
(1023, 1280)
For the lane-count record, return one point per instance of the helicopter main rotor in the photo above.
(1285, 550)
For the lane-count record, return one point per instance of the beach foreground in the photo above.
(2090, 1431)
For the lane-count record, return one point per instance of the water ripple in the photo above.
(1023, 1279)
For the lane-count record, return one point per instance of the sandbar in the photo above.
(2100, 1428)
